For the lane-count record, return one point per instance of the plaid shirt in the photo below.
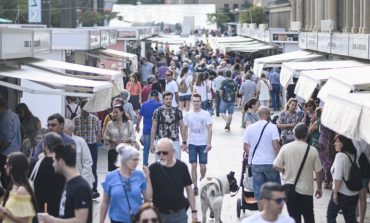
(87, 127)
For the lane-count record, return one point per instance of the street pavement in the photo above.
(225, 156)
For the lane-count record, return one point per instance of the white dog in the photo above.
(212, 191)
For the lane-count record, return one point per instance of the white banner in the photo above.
(34, 11)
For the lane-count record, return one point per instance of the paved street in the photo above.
(225, 156)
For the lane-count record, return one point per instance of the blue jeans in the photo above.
(217, 101)
(261, 174)
(275, 96)
(146, 141)
(94, 155)
(227, 107)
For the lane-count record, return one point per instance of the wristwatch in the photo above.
(194, 211)
(184, 142)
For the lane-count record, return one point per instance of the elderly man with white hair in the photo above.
(84, 160)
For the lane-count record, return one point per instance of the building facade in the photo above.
(220, 4)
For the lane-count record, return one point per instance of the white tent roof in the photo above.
(346, 80)
(308, 81)
(355, 124)
(123, 55)
(277, 60)
(293, 69)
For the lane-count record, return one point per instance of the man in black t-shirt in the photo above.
(169, 177)
(75, 204)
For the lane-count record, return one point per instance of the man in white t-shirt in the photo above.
(198, 130)
(262, 156)
(273, 199)
(171, 86)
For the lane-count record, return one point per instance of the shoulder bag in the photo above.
(290, 188)
(132, 215)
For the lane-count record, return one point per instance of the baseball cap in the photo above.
(154, 93)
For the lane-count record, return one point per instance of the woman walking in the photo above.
(119, 130)
(263, 90)
(184, 82)
(19, 204)
(250, 109)
(125, 188)
(134, 87)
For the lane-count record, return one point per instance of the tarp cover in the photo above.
(345, 80)
(293, 69)
(277, 60)
(131, 57)
(308, 81)
(355, 124)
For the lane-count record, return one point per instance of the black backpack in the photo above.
(364, 164)
(73, 114)
(354, 182)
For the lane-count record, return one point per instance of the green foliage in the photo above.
(55, 13)
(90, 18)
(255, 13)
(133, 2)
(221, 17)
(9, 10)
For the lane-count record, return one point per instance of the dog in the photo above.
(212, 192)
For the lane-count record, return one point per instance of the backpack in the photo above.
(363, 162)
(229, 91)
(354, 182)
(73, 114)
(182, 86)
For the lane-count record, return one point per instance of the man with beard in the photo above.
(167, 121)
(169, 177)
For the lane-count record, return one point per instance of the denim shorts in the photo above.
(195, 151)
(365, 182)
(262, 174)
(227, 106)
(185, 97)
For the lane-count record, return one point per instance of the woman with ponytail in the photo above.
(250, 109)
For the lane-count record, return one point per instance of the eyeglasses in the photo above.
(164, 153)
(279, 201)
(52, 124)
(147, 220)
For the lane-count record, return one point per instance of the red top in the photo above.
(134, 89)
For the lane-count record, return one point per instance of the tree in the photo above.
(255, 13)
(221, 17)
(91, 18)
(134, 2)
(9, 10)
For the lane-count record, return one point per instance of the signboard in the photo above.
(34, 11)
(112, 37)
(15, 43)
(128, 35)
(339, 44)
(285, 37)
(104, 38)
(41, 41)
(302, 40)
(311, 39)
(94, 38)
(323, 42)
(359, 46)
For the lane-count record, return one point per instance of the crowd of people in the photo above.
(51, 174)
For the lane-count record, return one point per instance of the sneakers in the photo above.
(95, 195)
(195, 191)
(227, 126)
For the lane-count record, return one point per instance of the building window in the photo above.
(235, 6)
(226, 6)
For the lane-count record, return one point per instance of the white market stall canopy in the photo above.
(308, 81)
(247, 47)
(355, 124)
(277, 60)
(293, 69)
(346, 80)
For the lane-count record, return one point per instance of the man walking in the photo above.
(218, 82)
(228, 91)
(167, 122)
(261, 143)
(76, 203)
(248, 90)
(87, 126)
(10, 137)
(198, 129)
(275, 93)
(169, 177)
(146, 112)
(272, 198)
(288, 161)
(145, 70)
(171, 86)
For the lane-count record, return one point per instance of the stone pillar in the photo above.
(299, 11)
(361, 12)
(332, 10)
(312, 17)
(320, 13)
(348, 16)
(326, 9)
(366, 17)
(356, 16)
(307, 15)
(293, 11)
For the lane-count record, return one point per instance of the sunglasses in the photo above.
(147, 220)
(279, 201)
(52, 124)
(164, 153)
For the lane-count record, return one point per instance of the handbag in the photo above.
(132, 215)
(290, 188)
(34, 173)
